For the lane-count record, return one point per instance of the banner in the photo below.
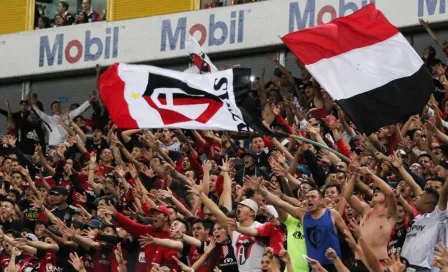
(217, 30)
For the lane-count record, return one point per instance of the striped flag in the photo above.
(367, 66)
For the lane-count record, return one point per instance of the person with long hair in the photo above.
(82, 18)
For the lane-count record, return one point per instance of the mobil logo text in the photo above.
(58, 50)
(228, 28)
(431, 7)
(310, 13)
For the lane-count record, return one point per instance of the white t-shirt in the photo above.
(248, 250)
(422, 237)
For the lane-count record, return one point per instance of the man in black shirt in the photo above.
(59, 197)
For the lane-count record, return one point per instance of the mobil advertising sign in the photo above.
(218, 29)
(60, 50)
(224, 29)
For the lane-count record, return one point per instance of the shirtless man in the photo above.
(376, 223)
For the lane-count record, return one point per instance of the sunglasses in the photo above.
(315, 125)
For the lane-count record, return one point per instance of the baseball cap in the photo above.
(251, 204)
(444, 163)
(59, 190)
(272, 211)
(95, 224)
(162, 209)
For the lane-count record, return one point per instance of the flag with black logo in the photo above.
(142, 96)
(201, 63)
(367, 66)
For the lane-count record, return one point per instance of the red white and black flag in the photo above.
(367, 66)
(141, 96)
(200, 61)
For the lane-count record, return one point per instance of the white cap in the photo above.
(251, 204)
(272, 211)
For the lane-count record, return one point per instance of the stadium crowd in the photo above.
(64, 17)
(98, 198)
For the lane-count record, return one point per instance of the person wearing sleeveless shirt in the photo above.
(320, 225)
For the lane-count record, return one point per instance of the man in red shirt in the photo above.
(158, 229)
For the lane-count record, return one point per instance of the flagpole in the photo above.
(322, 146)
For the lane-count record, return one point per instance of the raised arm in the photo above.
(398, 163)
(274, 200)
(386, 189)
(214, 209)
(443, 196)
(225, 199)
(168, 243)
(354, 202)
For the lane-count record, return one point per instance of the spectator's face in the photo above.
(173, 214)
(136, 153)
(10, 125)
(43, 193)
(425, 52)
(80, 122)
(405, 189)
(378, 197)
(86, 5)
(309, 92)
(332, 194)
(438, 154)
(39, 230)
(349, 211)
(417, 168)
(23, 106)
(6, 210)
(17, 178)
(160, 219)
(314, 201)
(106, 155)
(265, 264)
(426, 164)
(15, 165)
(109, 231)
(97, 135)
(57, 199)
(40, 23)
(342, 166)
(220, 233)
(186, 164)
(208, 215)
(441, 171)
(304, 188)
(56, 108)
(258, 144)
(199, 232)
(243, 213)
(7, 165)
(214, 165)
(80, 17)
(273, 97)
(275, 183)
(434, 184)
(213, 179)
(249, 161)
(177, 229)
(417, 136)
(401, 215)
(61, 8)
(11, 196)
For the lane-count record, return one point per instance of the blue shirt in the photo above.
(319, 236)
